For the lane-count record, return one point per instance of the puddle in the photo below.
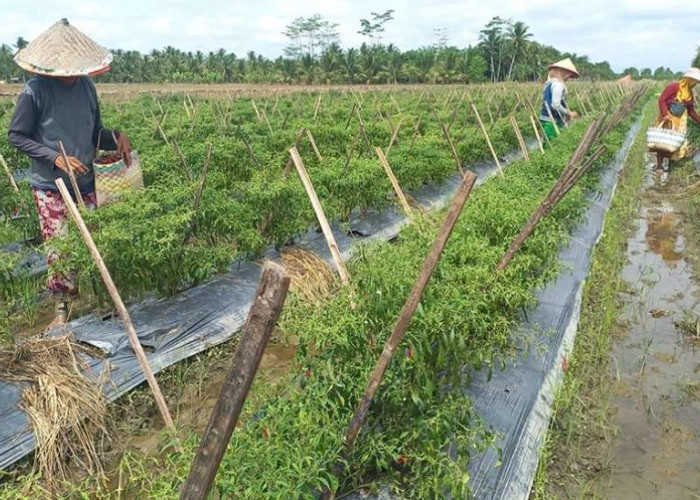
(656, 452)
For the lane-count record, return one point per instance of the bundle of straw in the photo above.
(66, 409)
(312, 277)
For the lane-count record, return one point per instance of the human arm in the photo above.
(111, 139)
(692, 112)
(668, 95)
(21, 135)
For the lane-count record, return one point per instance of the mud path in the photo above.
(655, 359)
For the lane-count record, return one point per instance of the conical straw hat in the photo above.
(566, 64)
(693, 73)
(62, 50)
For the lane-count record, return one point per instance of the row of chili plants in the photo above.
(249, 202)
(422, 428)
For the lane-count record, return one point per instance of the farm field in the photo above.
(156, 242)
(251, 200)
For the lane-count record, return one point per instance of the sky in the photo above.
(641, 33)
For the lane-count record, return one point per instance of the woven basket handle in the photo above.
(99, 138)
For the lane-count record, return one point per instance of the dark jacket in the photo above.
(49, 110)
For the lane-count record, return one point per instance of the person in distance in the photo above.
(676, 103)
(555, 108)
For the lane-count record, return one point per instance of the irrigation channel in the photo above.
(656, 451)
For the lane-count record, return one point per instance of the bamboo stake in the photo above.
(71, 175)
(121, 308)
(257, 113)
(182, 160)
(269, 127)
(297, 143)
(519, 136)
(537, 133)
(395, 102)
(321, 216)
(551, 117)
(394, 136)
(488, 140)
(194, 108)
(394, 182)
(9, 174)
(569, 176)
(350, 154)
(318, 104)
(580, 104)
(198, 194)
(267, 305)
(313, 144)
(250, 150)
(404, 319)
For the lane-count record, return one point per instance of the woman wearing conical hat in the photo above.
(676, 103)
(554, 103)
(60, 104)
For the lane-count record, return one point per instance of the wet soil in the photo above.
(655, 359)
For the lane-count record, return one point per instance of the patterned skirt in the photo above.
(53, 213)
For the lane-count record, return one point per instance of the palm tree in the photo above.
(518, 35)
(393, 64)
(349, 63)
(490, 42)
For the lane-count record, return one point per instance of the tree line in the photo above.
(506, 51)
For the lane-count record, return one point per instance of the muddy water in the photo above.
(656, 453)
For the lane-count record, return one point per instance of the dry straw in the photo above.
(312, 277)
(66, 408)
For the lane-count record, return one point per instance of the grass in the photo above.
(580, 422)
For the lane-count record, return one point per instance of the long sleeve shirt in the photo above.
(555, 96)
(49, 110)
(669, 95)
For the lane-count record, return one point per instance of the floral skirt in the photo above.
(53, 213)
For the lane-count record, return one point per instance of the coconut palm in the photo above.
(518, 35)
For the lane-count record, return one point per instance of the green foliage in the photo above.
(507, 51)
(248, 201)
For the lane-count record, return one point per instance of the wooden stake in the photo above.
(394, 182)
(9, 174)
(537, 133)
(182, 160)
(297, 143)
(257, 113)
(263, 314)
(71, 175)
(318, 104)
(119, 304)
(321, 216)
(537, 121)
(519, 136)
(198, 194)
(269, 127)
(310, 136)
(404, 319)
(551, 117)
(488, 140)
(394, 136)
(250, 151)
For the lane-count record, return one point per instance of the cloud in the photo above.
(159, 25)
(269, 29)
